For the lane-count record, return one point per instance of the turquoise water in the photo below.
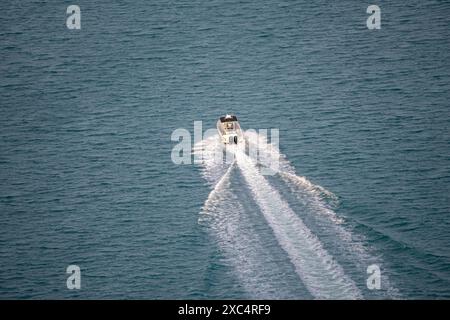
(86, 175)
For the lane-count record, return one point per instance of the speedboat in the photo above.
(229, 129)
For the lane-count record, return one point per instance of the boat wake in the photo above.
(277, 231)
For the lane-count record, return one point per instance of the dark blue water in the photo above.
(86, 117)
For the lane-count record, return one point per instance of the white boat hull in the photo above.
(229, 130)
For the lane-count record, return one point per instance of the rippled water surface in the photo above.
(86, 176)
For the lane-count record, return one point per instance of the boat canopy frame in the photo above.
(228, 119)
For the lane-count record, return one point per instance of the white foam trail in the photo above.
(257, 271)
(316, 199)
(322, 275)
(351, 246)
(313, 196)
